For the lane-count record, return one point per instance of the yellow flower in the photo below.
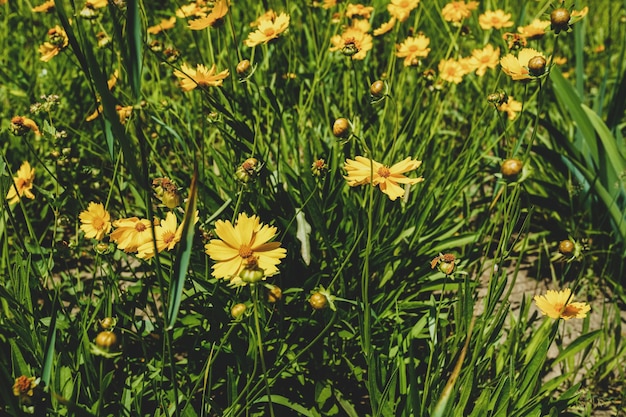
(401, 9)
(485, 58)
(212, 19)
(131, 233)
(456, 11)
(201, 76)
(96, 4)
(413, 48)
(195, 9)
(267, 30)
(517, 67)
(354, 41)
(451, 70)
(535, 30)
(241, 245)
(165, 24)
(24, 388)
(22, 184)
(558, 304)
(44, 8)
(21, 125)
(95, 221)
(359, 10)
(167, 234)
(57, 41)
(495, 19)
(385, 27)
(511, 107)
(362, 171)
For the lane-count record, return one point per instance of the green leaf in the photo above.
(579, 344)
(134, 33)
(181, 264)
(49, 351)
(285, 402)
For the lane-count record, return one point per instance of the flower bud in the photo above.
(318, 301)
(349, 49)
(567, 247)
(106, 340)
(251, 274)
(537, 66)
(341, 128)
(247, 171)
(498, 98)
(511, 168)
(22, 125)
(559, 20)
(243, 68)
(237, 310)
(108, 323)
(319, 168)
(377, 89)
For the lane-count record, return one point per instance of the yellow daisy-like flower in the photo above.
(201, 76)
(268, 29)
(495, 19)
(355, 40)
(212, 19)
(456, 11)
(517, 67)
(24, 388)
(167, 234)
(57, 41)
(164, 24)
(401, 9)
(452, 71)
(95, 221)
(363, 170)
(21, 125)
(511, 107)
(483, 59)
(359, 10)
(22, 184)
(245, 243)
(559, 304)
(44, 8)
(413, 48)
(196, 9)
(131, 233)
(535, 30)
(385, 27)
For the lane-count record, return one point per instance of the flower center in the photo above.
(168, 237)
(404, 4)
(140, 227)
(269, 32)
(97, 223)
(383, 172)
(245, 251)
(570, 311)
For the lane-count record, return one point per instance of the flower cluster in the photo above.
(457, 11)
(453, 70)
(213, 18)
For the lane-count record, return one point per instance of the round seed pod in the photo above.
(377, 89)
(537, 65)
(511, 168)
(318, 301)
(106, 340)
(341, 128)
(567, 247)
(243, 68)
(237, 310)
(559, 19)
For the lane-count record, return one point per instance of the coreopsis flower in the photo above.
(245, 243)
(517, 66)
(123, 112)
(535, 30)
(201, 76)
(196, 9)
(359, 10)
(21, 125)
(131, 233)
(268, 29)
(24, 388)
(511, 107)
(164, 24)
(413, 48)
(213, 19)
(363, 170)
(111, 82)
(385, 27)
(95, 221)
(22, 184)
(354, 42)
(401, 9)
(44, 8)
(57, 41)
(483, 59)
(451, 70)
(96, 4)
(168, 233)
(319, 168)
(562, 20)
(329, 4)
(495, 19)
(560, 305)
(457, 11)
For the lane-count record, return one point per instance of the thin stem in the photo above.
(259, 342)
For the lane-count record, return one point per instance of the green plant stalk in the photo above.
(259, 343)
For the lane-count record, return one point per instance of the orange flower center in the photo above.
(404, 4)
(269, 32)
(168, 237)
(140, 227)
(570, 311)
(245, 251)
(23, 384)
(383, 172)
(97, 223)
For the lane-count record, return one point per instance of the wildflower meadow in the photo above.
(312, 208)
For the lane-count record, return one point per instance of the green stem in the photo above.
(259, 342)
